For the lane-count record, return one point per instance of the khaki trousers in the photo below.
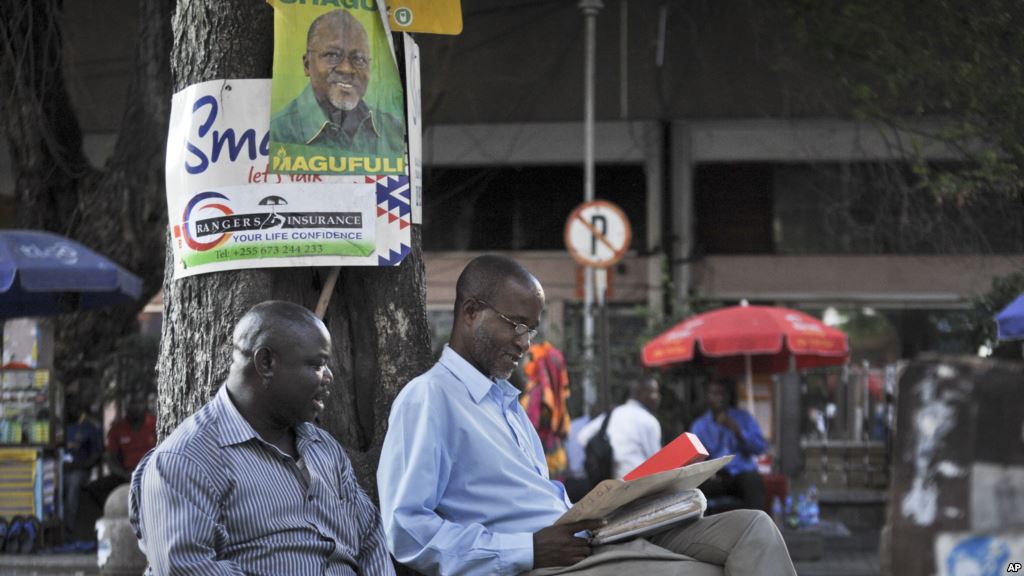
(733, 543)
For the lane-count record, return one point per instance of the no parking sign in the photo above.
(597, 234)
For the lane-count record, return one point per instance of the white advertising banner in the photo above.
(228, 212)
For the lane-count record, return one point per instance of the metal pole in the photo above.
(606, 395)
(590, 9)
(750, 383)
(623, 60)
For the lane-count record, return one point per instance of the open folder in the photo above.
(644, 505)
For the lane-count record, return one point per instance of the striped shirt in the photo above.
(214, 498)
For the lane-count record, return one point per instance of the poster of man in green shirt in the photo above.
(342, 111)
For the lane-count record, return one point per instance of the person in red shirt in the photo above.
(130, 438)
(128, 441)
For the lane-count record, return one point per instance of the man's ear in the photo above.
(263, 361)
(305, 63)
(469, 311)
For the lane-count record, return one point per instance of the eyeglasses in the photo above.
(333, 58)
(518, 328)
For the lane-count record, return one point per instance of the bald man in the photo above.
(247, 485)
(330, 111)
(464, 486)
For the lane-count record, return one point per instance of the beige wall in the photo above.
(903, 281)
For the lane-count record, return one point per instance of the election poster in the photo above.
(337, 103)
(229, 211)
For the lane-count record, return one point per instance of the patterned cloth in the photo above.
(214, 498)
(544, 399)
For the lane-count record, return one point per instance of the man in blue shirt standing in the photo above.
(84, 449)
(463, 482)
(725, 429)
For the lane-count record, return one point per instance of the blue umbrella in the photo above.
(43, 274)
(1010, 321)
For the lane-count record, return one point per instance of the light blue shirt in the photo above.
(463, 480)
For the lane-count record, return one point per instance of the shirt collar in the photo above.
(636, 404)
(314, 120)
(476, 383)
(235, 429)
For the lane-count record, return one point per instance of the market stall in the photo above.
(42, 274)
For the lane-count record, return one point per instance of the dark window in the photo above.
(850, 208)
(887, 208)
(521, 208)
(733, 206)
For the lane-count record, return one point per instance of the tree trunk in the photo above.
(376, 316)
(119, 211)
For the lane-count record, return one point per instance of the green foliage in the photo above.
(677, 310)
(871, 335)
(985, 307)
(958, 61)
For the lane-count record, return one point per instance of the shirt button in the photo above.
(310, 497)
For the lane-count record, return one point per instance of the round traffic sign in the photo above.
(597, 234)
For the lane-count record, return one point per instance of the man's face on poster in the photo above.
(337, 61)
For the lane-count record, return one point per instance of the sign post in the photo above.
(590, 8)
(597, 235)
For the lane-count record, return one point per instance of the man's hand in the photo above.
(723, 419)
(557, 545)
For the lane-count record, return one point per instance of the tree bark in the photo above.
(376, 316)
(119, 211)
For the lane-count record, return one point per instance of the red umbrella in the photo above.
(750, 339)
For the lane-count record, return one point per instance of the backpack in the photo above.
(600, 459)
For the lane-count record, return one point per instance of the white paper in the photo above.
(610, 495)
(217, 175)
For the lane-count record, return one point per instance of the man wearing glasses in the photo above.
(464, 486)
(330, 111)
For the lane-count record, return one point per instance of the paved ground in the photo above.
(48, 565)
(836, 564)
(830, 549)
(841, 564)
(839, 558)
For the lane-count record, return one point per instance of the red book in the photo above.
(684, 450)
